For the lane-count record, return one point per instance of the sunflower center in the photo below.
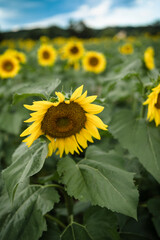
(46, 55)
(18, 58)
(64, 120)
(157, 105)
(8, 66)
(74, 50)
(93, 61)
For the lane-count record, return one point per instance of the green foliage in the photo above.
(99, 178)
(108, 192)
(154, 208)
(42, 90)
(11, 122)
(140, 138)
(26, 213)
(75, 231)
(101, 224)
(25, 163)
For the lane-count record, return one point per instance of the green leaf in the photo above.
(42, 89)
(75, 231)
(100, 179)
(25, 163)
(154, 208)
(126, 70)
(53, 233)
(140, 138)
(137, 230)
(11, 122)
(101, 224)
(24, 219)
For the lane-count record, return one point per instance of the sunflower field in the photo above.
(80, 138)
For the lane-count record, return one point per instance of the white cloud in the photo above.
(99, 15)
(5, 16)
(143, 12)
(82, 13)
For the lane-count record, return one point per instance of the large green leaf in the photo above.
(24, 219)
(75, 231)
(140, 138)
(101, 224)
(100, 179)
(25, 163)
(43, 89)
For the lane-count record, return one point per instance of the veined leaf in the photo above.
(75, 231)
(25, 163)
(100, 179)
(24, 219)
(101, 224)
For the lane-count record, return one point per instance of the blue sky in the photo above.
(18, 14)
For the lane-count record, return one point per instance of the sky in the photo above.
(29, 14)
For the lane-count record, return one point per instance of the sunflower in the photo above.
(126, 49)
(149, 58)
(9, 66)
(94, 62)
(153, 102)
(73, 51)
(21, 57)
(68, 124)
(46, 55)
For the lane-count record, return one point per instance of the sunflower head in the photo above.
(73, 51)
(126, 49)
(94, 62)
(44, 39)
(149, 58)
(153, 102)
(68, 124)
(20, 56)
(9, 66)
(46, 55)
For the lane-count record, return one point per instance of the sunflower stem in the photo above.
(55, 220)
(69, 206)
(55, 185)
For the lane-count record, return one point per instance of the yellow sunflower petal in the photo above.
(51, 146)
(32, 128)
(82, 97)
(93, 108)
(29, 140)
(96, 121)
(60, 96)
(60, 145)
(86, 134)
(32, 119)
(67, 101)
(76, 93)
(81, 140)
(92, 130)
(88, 99)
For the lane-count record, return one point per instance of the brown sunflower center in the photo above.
(64, 120)
(46, 55)
(18, 58)
(8, 66)
(74, 50)
(93, 61)
(157, 105)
